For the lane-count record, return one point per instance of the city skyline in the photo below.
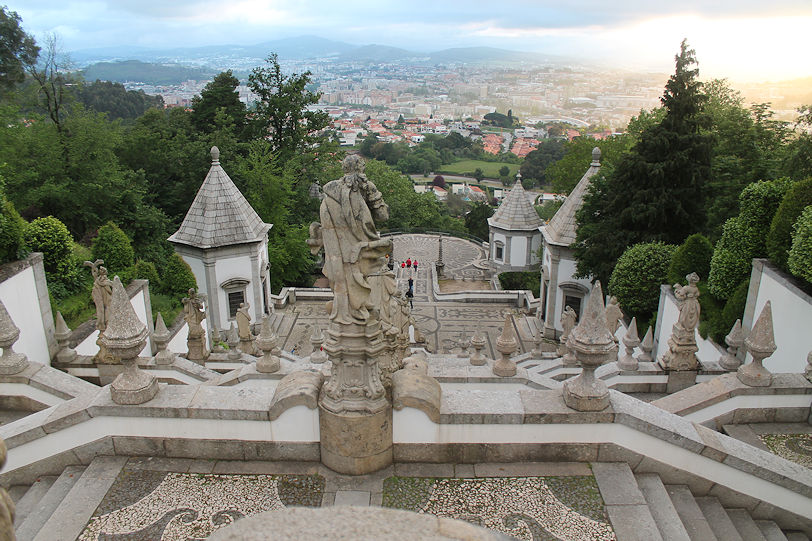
(744, 41)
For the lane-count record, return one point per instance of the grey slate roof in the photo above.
(561, 229)
(516, 212)
(220, 214)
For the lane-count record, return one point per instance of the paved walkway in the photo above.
(444, 324)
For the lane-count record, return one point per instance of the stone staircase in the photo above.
(642, 507)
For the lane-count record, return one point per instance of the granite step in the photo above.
(771, 530)
(69, 519)
(32, 524)
(796, 536)
(32, 497)
(747, 527)
(718, 519)
(661, 507)
(627, 508)
(16, 492)
(689, 512)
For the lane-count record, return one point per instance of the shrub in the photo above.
(11, 232)
(178, 277)
(114, 247)
(50, 236)
(638, 275)
(733, 310)
(693, 255)
(521, 280)
(779, 238)
(145, 270)
(800, 254)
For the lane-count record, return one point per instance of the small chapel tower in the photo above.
(225, 242)
(514, 232)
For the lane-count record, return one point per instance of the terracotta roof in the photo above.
(219, 215)
(563, 226)
(516, 212)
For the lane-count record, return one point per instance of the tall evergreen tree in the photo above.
(221, 92)
(656, 191)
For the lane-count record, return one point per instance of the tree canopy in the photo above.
(17, 49)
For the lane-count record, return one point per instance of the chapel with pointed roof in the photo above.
(514, 234)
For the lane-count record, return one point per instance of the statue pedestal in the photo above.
(355, 418)
(197, 351)
(681, 354)
(356, 443)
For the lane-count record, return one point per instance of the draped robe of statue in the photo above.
(352, 246)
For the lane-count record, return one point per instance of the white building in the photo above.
(514, 232)
(559, 286)
(225, 242)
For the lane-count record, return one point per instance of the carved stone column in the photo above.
(593, 346)
(125, 337)
(10, 362)
(761, 344)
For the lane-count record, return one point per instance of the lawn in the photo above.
(467, 167)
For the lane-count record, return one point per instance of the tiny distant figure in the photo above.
(414, 264)
(409, 262)
(410, 296)
(411, 284)
(403, 265)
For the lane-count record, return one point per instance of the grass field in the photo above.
(467, 167)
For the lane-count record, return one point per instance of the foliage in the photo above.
(798, 154)
(281, 111)
(479, 174)
(733, 310)
(800, 254)
(17, 49)
(500, 120)
(466, 167)
(219, 94)
(115, 100)
(114, 247)
(50, 236)
(638, 275)
(792, 205)
(565, 173)
(743, 236)
(145, 270)
(547, 210)
(655, 192)
(530, 280)
(12, 227)
(178, 277)
(135, 70)
(438, 181)
(476, 221)
(693, 255)
(537, 161)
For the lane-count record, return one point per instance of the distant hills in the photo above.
(135, 70)
(300, 48)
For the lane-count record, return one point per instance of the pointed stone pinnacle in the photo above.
(124, 329)
(735, 338)
(160, 326)
(215, 155)
(761, 338)
(9, 332)
(10, 362)
(61, 328)
(592, 335)
(631, 339)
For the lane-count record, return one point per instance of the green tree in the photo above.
(12, 227)
(114, 247)
(779, 239)
(479, 174)
(178, 277)
(655, 192)
(693, 255)
(800, 254)
(564, 173)
(50, 236)
(537, 161)
(504, 171)
(476, 221)
(17, 49)
(282, 110)
(115, 100)
(798, 155)
(220, 93)
(638, 275)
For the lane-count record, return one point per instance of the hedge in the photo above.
(178, 277)
(638, 275)
(779, 239)
(800, 254)
(114, 247)
(693, 255)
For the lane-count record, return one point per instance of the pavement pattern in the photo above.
(187, 500)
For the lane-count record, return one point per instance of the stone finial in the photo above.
(125, 337)
(464, 343)
(734, 339)
(478, 342)
(66, 354)
(631, 340)
(10, 362)
(506, 345)
(266, 342)
(233, 343)
(161, 338)
(761, 344)
(593, 345)
(318, 355)
(596, 157)
(646, 347)
(537, 341)
(215, 156)
(519, 177)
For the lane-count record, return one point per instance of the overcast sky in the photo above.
(740, 39)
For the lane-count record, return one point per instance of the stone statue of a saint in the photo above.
(682, 348)
(568, 317)
(102, 292)
(194, 314)
(243, 318)
(352, 246)
(613, 316)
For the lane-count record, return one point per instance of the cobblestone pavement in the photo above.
(182, 499)
(444, 324)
